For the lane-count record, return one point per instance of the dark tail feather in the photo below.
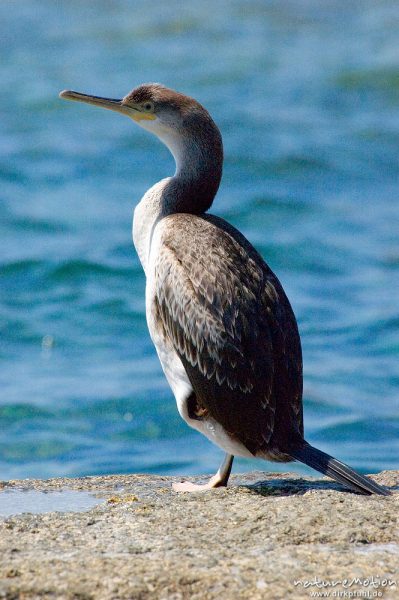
(337, 470)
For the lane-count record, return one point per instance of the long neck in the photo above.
(199, 160)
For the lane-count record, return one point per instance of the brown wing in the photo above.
(232, 326)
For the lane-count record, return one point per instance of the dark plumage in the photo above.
(236, 334)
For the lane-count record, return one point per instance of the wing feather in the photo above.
(232, 326)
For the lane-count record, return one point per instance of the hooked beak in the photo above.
(131, 110)
(110, 103)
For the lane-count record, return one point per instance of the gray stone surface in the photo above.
(254, 540)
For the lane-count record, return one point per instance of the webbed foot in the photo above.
(219, 480)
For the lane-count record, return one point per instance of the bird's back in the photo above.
(230, 322)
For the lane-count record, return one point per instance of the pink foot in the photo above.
(220, 479)
(187, 486)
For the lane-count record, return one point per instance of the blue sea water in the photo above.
(306, 95)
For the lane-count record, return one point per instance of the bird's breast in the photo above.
(171, 364)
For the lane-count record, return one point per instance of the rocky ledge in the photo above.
(265, 536)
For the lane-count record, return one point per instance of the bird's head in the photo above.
(170, 115)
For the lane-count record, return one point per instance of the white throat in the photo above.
(183, 147)
(152, 205)
(191, 189)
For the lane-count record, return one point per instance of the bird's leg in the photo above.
(219, 480)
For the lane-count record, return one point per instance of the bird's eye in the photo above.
(148, 106)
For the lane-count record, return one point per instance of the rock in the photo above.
(265, 536)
